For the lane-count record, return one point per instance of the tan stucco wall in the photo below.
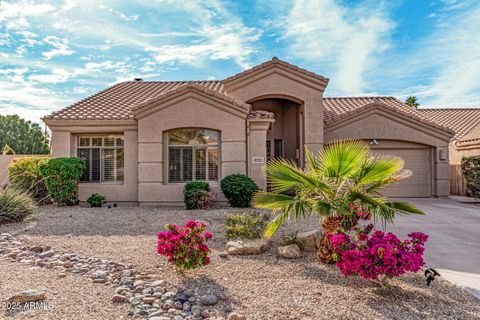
(456, 154)
(64, 145)
(384, 125)
(191, 110)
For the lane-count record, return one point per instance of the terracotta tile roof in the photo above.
(117, 102)
(462, 120)
(337, 108)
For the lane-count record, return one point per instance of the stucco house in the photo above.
(143, 140)
(466, 124)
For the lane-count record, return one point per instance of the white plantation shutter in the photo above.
(103, 157)
(193, 155)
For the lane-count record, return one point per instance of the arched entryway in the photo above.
(284, 138)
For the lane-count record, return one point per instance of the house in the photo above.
(142, 140)
(466, 124)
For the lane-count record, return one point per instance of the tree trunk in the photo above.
(324, 247)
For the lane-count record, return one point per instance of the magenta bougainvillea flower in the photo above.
(185, 246)
(375, 255)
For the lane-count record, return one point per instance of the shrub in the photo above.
(377, 256)
(15, 205)
(245, 226)
(197, 195)
(288, 238)
(238, 189)
(61, 179)
(471, 171)
(6, 150)
(24, 176)
(185, 247)
(96, 200)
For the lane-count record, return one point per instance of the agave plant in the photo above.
(343, 174)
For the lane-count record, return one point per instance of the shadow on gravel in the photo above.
(205, 285)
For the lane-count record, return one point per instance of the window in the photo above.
(192, 155)
(103, 157)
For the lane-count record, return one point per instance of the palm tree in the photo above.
(342, 174)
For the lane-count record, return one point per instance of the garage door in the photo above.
(419, 184)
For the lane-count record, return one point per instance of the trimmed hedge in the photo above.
(471, 171)
(238, 189)
(197, 195)
(61, 179)
(24, 175)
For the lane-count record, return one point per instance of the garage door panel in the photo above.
(417, 160)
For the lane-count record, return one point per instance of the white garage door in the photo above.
(419, 184)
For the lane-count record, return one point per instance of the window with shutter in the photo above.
(103, 157)
(193, 155)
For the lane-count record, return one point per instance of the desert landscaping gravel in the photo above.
(260, 287)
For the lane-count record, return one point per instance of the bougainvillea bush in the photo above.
(375, 255)
(185, 246)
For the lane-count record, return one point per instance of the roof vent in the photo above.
(137, 79)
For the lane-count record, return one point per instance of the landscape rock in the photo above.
(208, 299)
(31, 295)
(236, 316)
(307, 240)
(246, 247)
(46, 254)
(291, 251)
(118, 298)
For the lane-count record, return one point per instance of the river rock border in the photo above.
(148, 297)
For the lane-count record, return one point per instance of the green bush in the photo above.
(24, 175)
(61, 179)
(96, 200)
(197, 195)
(238, 189)
(15, 205)
(471, 171)
(288, 238)
(245, 225)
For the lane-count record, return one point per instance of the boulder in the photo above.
(291, 251)
(208, 299)
(236, 316)
(307, 240)
(31, 295)
(245, 247)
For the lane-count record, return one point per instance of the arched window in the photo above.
(192, 155)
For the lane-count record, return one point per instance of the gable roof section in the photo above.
(234, 104)
(339, 108)
(117, 101)
(465, 121)
(315, 78)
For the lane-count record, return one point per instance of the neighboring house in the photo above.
(143, 140)
(466, 124)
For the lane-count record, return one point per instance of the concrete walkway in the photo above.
(453, 248)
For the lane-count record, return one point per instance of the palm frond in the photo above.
(404, 207)
(379, 168)
(343, 158)
(284, 175)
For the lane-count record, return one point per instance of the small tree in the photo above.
(22, 136)
(471, 172)
(412, 102)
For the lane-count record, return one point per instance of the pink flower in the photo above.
(208, 235)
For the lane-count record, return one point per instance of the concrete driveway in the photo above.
(454, 244)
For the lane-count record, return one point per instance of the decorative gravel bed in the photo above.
(260, 287)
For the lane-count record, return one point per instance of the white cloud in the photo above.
(327, 33)
(120, 14)
(57, 76)
(60, 47)
(455, 46)
(15, 14)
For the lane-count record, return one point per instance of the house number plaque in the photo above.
(258, 160)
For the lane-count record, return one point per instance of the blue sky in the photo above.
(53, 53)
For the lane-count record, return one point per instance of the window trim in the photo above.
(205, 147)
(102, 148)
